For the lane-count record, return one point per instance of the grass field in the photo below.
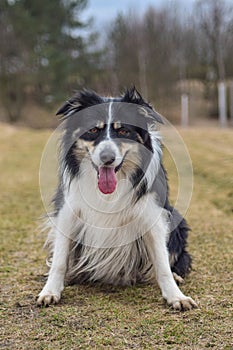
(95, 317)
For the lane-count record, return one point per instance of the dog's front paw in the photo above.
(48, 297)
(182, 303)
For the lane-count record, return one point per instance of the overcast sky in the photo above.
(104, 11)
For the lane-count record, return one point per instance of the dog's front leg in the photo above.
(156, 243)
(51, 293)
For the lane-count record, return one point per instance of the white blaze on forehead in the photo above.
(109, 121)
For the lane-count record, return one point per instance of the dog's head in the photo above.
(112, 132)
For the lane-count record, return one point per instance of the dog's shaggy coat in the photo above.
(112, 221)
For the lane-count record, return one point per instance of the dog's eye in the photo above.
(91, 134)
(123, 132)
(94, 130)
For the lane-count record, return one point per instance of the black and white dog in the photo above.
(112, 221)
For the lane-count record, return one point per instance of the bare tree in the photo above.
(215, 19)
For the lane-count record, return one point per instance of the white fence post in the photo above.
(231, 102)
(222, 106)
(184, 110)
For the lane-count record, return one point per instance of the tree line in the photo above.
(46, 52)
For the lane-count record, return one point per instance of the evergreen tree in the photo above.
(44, 52)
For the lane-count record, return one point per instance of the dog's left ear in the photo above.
(133, 96)
(151, 115)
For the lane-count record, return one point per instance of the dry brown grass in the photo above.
(95, 317)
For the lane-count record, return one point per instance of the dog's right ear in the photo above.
(65, 108)
(79, 101)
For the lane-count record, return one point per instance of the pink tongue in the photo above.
(107, 180)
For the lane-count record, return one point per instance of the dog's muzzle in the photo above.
(107, 156)
(107, 160)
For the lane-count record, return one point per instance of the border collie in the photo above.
(112, 220)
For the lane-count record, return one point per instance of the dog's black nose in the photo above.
(107, 156)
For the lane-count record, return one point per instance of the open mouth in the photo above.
(107, 180)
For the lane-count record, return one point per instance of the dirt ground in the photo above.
(98, 317)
